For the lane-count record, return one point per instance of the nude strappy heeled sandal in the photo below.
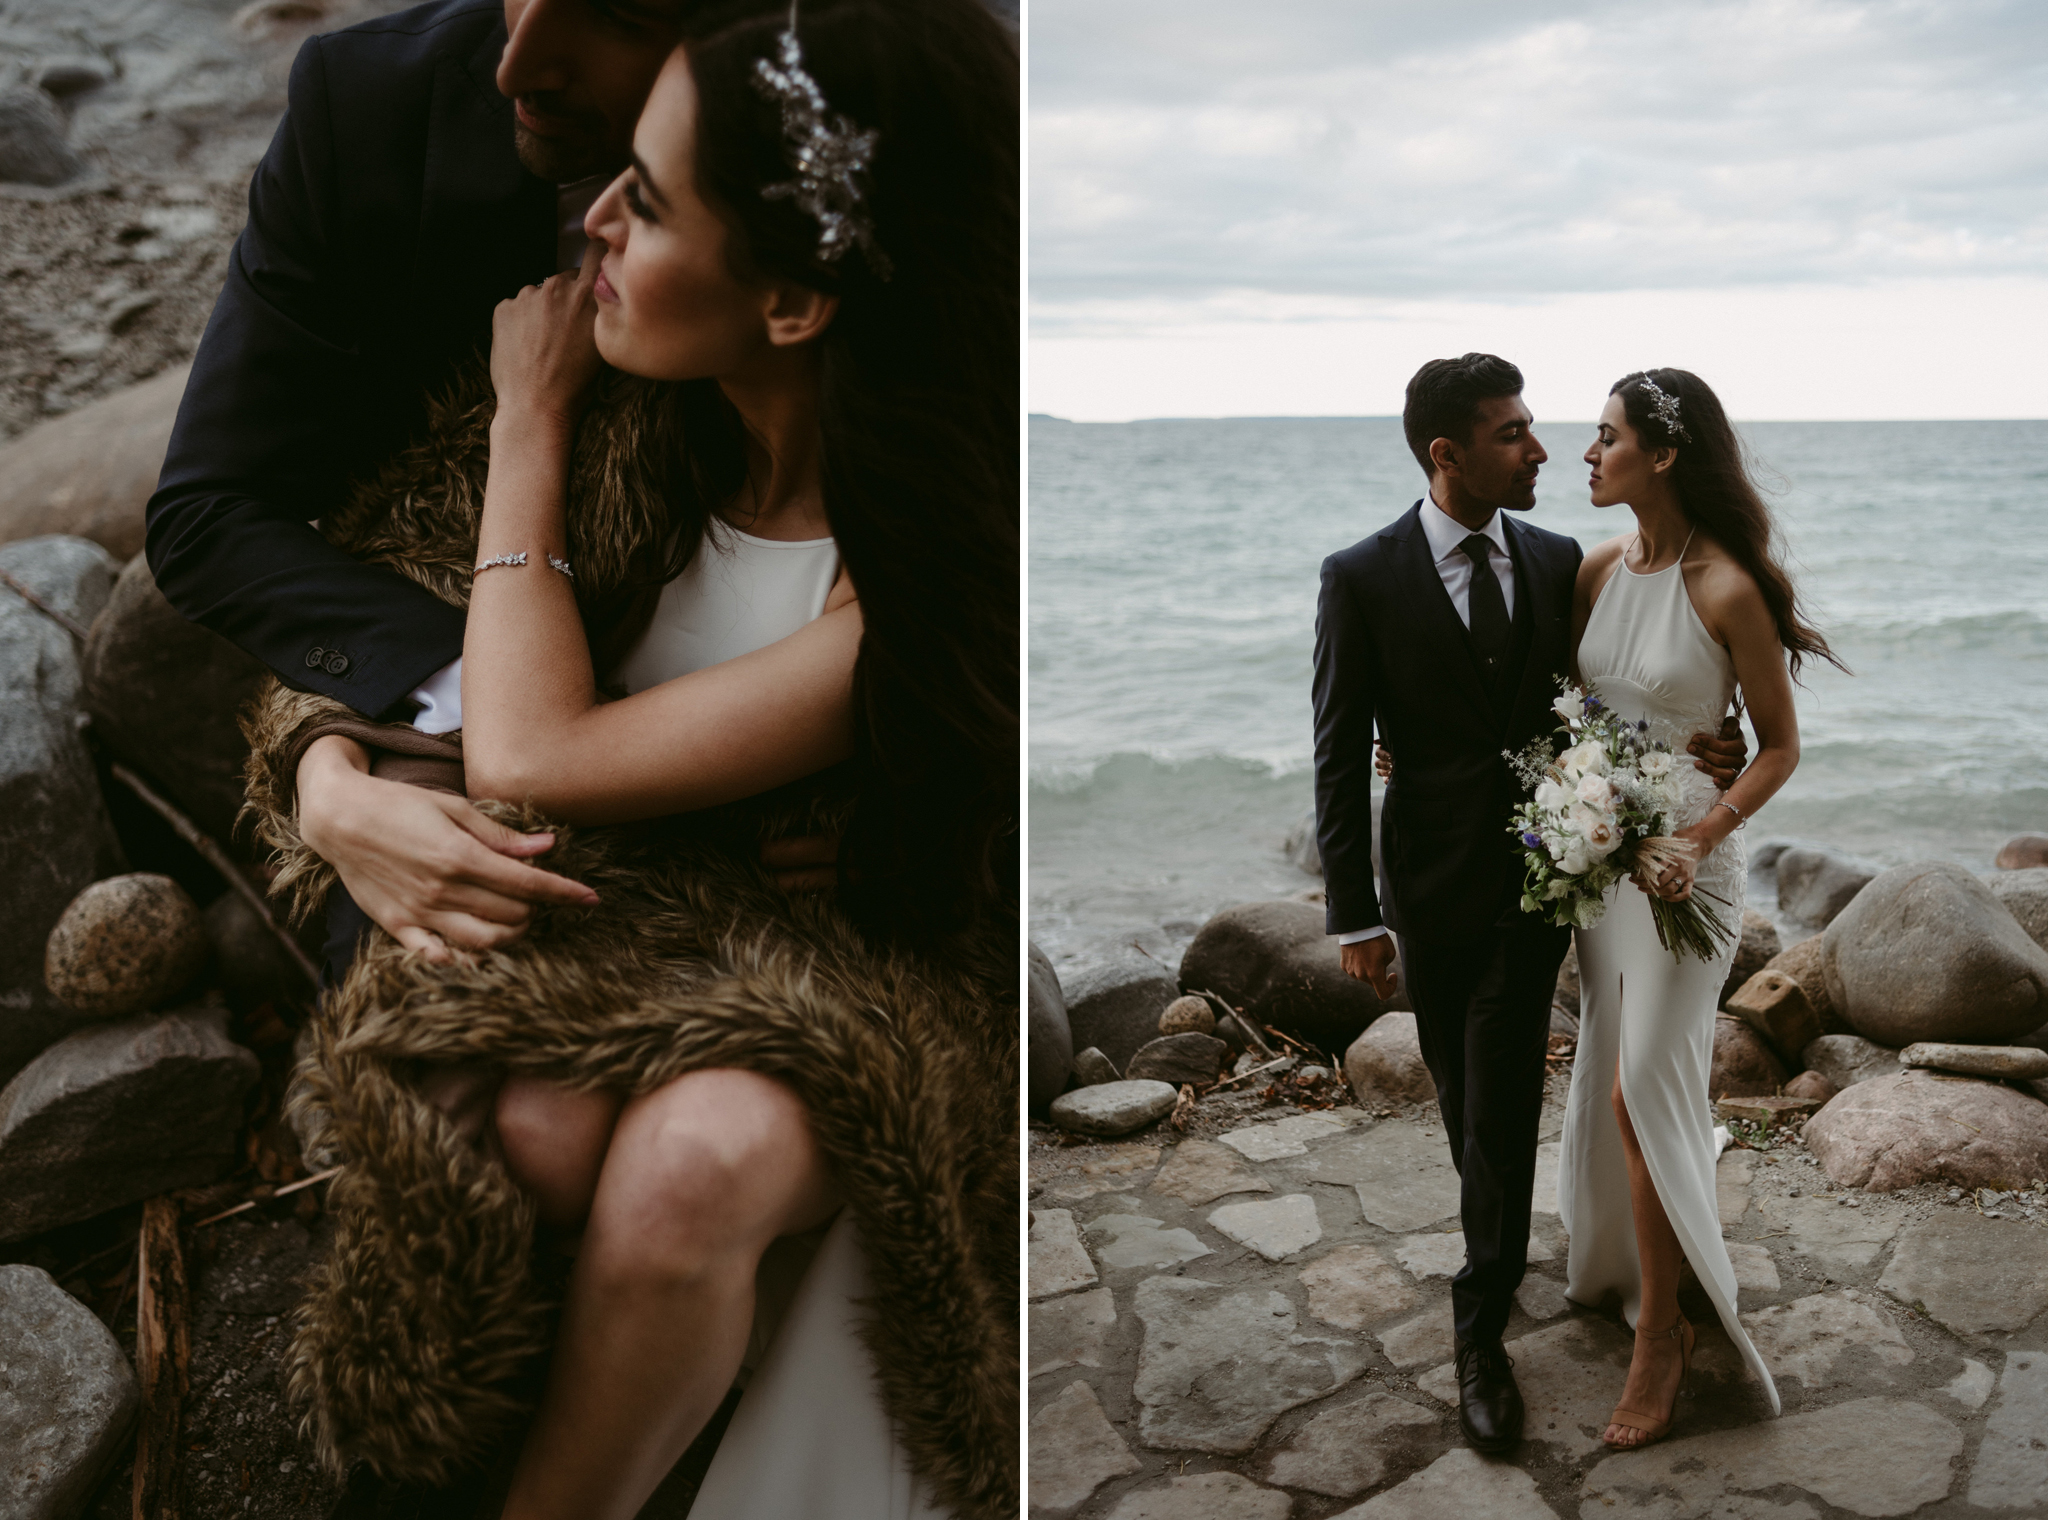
(1654, 1430)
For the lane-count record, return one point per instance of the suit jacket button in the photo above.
(337, 662)
(314, 656)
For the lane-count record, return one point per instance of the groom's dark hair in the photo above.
(1444, 397)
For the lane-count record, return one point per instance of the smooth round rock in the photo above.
(1276, 961)
(1049, 1040)
(1755, 948)
(1926, 952)
(1092, 1068)
(125, 945)
(1897, 1131)
(1744, 1065)
(1192, 1057)
(1113, 1108)
(1114, 998)
(1385, 1063)
(1811, 1084)
(1816, 885)
(2018, 1063)
(1846, 1059)
(2022, 852)
(1188, 1015)
(32, 146)
(251, 967)
(2025, 895)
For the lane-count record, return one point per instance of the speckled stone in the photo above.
(1188, 1015)
(125, 945)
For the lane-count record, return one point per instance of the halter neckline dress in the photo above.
(1650, 657)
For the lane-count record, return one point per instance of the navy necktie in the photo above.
(1489, 609)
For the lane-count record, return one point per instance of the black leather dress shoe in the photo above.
(1489, 1403)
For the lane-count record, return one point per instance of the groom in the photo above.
(1446, 632)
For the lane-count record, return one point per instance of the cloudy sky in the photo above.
(1826, 208)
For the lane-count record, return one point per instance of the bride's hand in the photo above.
(544, 348)
(1674, 882)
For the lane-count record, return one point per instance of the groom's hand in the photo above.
(1721, 755)
(1372, 962)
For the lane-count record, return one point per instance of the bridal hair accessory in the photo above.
(827, 150)
(1665, 405)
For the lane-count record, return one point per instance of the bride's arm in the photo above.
(533, 727)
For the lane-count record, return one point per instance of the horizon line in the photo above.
(1396, 417)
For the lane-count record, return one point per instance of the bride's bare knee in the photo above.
(554, 1139)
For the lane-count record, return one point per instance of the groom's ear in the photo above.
(797, 313)
(1445, 457)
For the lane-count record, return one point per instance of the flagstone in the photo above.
(1354, 1285)
(1428, 1337)
(1847, 1239)
(2012, 1461)
(1545, 1199)
(1541, 1298)
(1808, 1336)
(1570, 1375)
(1733, 1174)
(1203, 1496)
(1071, 1331)
(1058, 1262)
(1402, 1174)
(1136, 1240)
(1074, 1451)
(1971, 1274)
(1276, 1229)
(1201, 1171)
(1343, 1451)
(1755, 1272)
(1460, 1483)
(1290, 1136)
(1439, 1255)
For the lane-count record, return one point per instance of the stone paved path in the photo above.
(1256, 1324)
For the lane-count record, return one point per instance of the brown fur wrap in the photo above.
(416, 1342)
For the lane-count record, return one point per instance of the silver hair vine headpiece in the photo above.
(1665, 405)
(828, 151)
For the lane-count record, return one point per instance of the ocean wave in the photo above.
(1126, 770)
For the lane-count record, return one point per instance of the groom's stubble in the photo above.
(1496, 470)
(578, 72)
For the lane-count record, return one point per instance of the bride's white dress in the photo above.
(810, 1439)
(1650, 658)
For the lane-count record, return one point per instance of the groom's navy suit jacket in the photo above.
(386, 221)
(1392, 655)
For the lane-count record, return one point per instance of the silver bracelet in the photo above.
(502, 559)
(561, 565)
(1740, 821)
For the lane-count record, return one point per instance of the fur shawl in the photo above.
(417, 1342)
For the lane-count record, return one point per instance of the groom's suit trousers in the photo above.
(1482, 1016)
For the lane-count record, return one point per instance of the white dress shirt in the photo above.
(439, 697)
(1454, 568)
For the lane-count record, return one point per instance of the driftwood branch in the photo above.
(220, 860)
(1244, 1022)
(68, 623)
(1247, 1076)
(163, 1358)
(289, 1187)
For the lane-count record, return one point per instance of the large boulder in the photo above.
(90, 472)
(67, 1398)
(1846, 1059)
(2023, 852)
(55, 835)
(125, 945)
(1744, 1066)
(1927, 953)
(164, 694)
(1274, 960)
(2025, 895)
(120, 1112)
(1916, 1127)
(1755, 947)
(1114, 999)
(1815, 885)
(1385, 1063)
(1776, 1007)
(1300, 845)
(1049, 1041)
(1804, 962)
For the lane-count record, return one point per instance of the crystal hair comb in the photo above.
(1665, 405)
(827, 150)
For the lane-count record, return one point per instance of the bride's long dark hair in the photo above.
(1712, 477)
(919, 408)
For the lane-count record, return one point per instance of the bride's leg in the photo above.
(553, 1139)
(1653, 1373)
(700, 1177)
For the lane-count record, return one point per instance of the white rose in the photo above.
(1595, 792)
(1569, 706)
(1587, 759)
(1654, 763)
(1580, 819)
(1577, 858)
(1552, 796)
(1604, 838)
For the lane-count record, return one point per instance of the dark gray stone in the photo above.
(1765, 857)
(1113, 1108)
(67, 1398)
(1049, 1042)
(1114, 999)
(117, 1113)
(1179, 1058)
(1745, 1066)
(55, 836)
(1815, 885)
(1755, 949)
(1092, 1068)
(249, 965)
(2025, 895)
(33, 150)
(164, 694)
(62, 78)
(1274, 961)
(1927, 953)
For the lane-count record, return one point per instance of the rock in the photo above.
(1563, 1024)
(1057, 1260)
(1765, 1110)
(2023, 852)
(1179, 1058)
(1927, 953)
(1846, 1059)
(1402, 1174)
(2008, 1473)
(1074, 1451)
(32, 146)
(1344, 1451)
(1965, 1272)
(1435, 1255)
(2025, 895)
(90, 472)
(1113, 1108)
(1566, 996)
(1814, 886)
(2017, 1063)
(1203, 1496)
(1048, 1043)
(1231, 1033)
(1808, 1336)
(1893, 1132)
(1114, 999)
(1276, 1228)
(1842, 1239)
(67, 1398)
(119, 1112)
(164, 695)
(1804, 963)
(1970, 1387)
(1273, 960)
(1220, 1363)
(61, 78)
(1071, 1331)
(1811, 1084)
(1744, 1066)
(1754, 1269)
(1353, 1287)
(124, 946)
(1872, 1456)
(55, 836)
(1201, 1171)
(249, 965)
(1384, 1065)
(1281, 1137)
(1755, 949)
(1733, 1174)
(1124, 1241)
(1461, 1483)
(1540, 1298)
(1092, 1068)
(1765, 857)
(1188, 1015)
(1301, 847)
(1775, 1006)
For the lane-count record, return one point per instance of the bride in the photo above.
(1668, 622)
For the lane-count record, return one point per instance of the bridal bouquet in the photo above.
(1597, 813)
